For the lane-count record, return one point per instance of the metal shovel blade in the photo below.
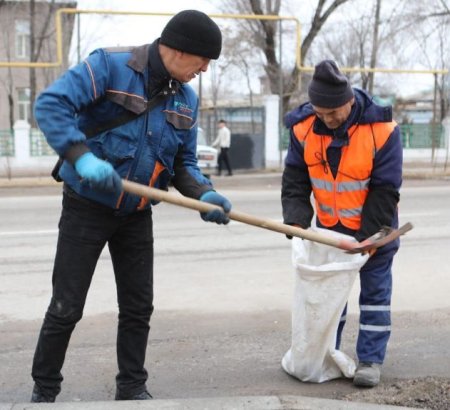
(381, 238)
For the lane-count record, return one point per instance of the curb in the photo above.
(47, 181)
(223, 403)
(27, 182)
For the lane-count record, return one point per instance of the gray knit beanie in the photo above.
(329, 88)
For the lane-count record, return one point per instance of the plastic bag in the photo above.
(324, 277)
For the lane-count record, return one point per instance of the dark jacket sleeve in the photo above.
(380, 207)
(296, 188)
(188, 180)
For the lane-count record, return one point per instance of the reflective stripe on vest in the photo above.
(341, 198)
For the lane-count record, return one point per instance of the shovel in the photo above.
(384, 236)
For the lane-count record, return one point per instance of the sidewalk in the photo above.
(213, 403)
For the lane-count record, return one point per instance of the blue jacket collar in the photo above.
(139, 58)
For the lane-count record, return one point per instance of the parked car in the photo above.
(206, 155)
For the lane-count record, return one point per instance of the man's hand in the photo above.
(98, 173)
(290, 236)
(371, 252)
(216, 215)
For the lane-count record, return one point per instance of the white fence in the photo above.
(31, 156)
(28, 160)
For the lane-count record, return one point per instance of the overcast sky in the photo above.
(120, 30)
(98, 30)
(117, 30)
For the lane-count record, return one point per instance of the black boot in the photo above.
(145, 395)
(38, 396)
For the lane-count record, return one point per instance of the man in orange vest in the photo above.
(347, 151)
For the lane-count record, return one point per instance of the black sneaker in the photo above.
(145, 395)
(38, 396)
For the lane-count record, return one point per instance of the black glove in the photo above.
(290, 236)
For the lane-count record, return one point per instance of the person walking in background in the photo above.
(149, 149)
(347, 150)
(223, 142)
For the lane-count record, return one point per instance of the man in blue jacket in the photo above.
(156, 146)
(347, 151)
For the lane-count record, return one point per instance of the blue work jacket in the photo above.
(152, 149)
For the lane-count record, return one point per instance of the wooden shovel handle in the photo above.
(180, 200)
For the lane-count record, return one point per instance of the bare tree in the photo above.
(9, 86)
(348, 46)
(431, 38)
(240, 54)
(361, 36)
(32, 59)
(375, 44)
(37, 39)
(217, 70)
(441, 9)
(40, 16)
(264, 34)
(8, 81)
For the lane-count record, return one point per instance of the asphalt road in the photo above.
(223, 299)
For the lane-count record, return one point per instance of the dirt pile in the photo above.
(425, 393)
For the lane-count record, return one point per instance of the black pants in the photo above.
(84, 229)
(223, 158)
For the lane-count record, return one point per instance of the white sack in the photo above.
(324, 276)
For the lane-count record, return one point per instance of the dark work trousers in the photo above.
(84, 229)
(223, 159)
(375, 310)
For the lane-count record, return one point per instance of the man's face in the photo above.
(187, 66)
(334, 117)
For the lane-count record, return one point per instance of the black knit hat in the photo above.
(329, 88)
(193, 32)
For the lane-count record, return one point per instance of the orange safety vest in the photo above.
(342, 198)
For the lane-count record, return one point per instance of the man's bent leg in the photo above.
(132, 254)
(79, 245)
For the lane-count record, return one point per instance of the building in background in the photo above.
(259, 139)
(29, 35)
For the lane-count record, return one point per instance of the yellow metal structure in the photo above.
(380, 70)
(59, 41)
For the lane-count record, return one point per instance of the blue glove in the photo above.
(216, 215)
(98, 173)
